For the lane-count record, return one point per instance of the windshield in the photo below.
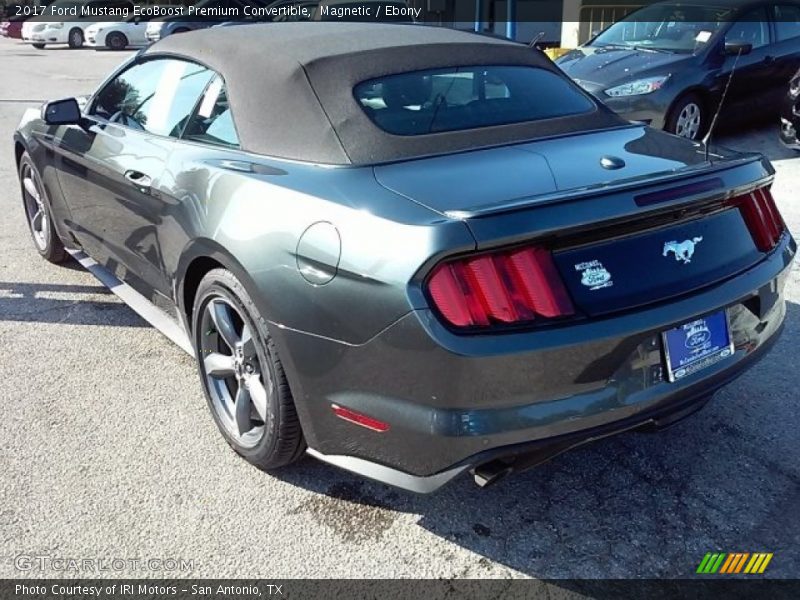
(666, 27)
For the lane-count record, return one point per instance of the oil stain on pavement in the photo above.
(351, 513)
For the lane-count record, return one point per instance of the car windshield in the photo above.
(683, 28)
(460, 98)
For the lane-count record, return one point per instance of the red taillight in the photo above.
(762, 218)
(359, 419)
(504, 287)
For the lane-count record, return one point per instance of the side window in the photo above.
(212, 121)
(787, 21)
(753, 29)
(156, 96)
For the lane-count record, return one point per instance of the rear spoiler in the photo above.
(647, 181)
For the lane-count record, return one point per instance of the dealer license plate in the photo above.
(696, 345)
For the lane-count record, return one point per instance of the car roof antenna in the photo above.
(707, 138)
(536, 39)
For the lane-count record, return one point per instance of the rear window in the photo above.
(459, 98)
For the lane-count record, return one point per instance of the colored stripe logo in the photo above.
(734, 562)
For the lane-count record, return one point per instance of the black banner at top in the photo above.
(437, 12)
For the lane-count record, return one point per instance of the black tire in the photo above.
(75, 37)
(280, 441)
(38, 46)
(116, 41)
(688, 117)
(44, 236)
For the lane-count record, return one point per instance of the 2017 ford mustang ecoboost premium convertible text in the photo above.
(411, 251)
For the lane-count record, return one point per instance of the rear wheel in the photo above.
(242, 375)
(116, 41)
(75, 38)
(38, 46)
(688, 117)
(37, 212)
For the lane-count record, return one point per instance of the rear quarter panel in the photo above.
(256, 211)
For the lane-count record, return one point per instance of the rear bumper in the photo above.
(519, 457)
(38, 38)
(457, 402)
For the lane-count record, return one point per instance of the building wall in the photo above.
(582, 19)
(567, 23)
(532, 16)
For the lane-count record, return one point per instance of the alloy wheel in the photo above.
(688, 123)
(34, 207)
(238, 384)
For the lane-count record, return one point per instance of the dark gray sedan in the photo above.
(410, 251)
(667, 64)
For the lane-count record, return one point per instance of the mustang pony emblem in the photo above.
(683, 250)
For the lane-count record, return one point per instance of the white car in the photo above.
(117, 35)
(154, 28)
(41, 33)
(27, 30)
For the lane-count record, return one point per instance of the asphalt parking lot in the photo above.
(107, 449)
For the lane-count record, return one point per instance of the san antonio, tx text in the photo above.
(72, 590)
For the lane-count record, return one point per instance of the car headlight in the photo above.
(638, 87)
(55, 25)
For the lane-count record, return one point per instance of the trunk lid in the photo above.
(663, 225)
(657, 264)
(495, 179)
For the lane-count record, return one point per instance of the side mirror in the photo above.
(735, 47)
(62, 112)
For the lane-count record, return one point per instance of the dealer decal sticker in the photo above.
(594, 275)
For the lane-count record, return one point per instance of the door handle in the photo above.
(139, 179)
(768, 60)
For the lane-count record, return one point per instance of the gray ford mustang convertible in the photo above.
(410, 251)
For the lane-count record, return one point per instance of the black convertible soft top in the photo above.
(290, 86)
